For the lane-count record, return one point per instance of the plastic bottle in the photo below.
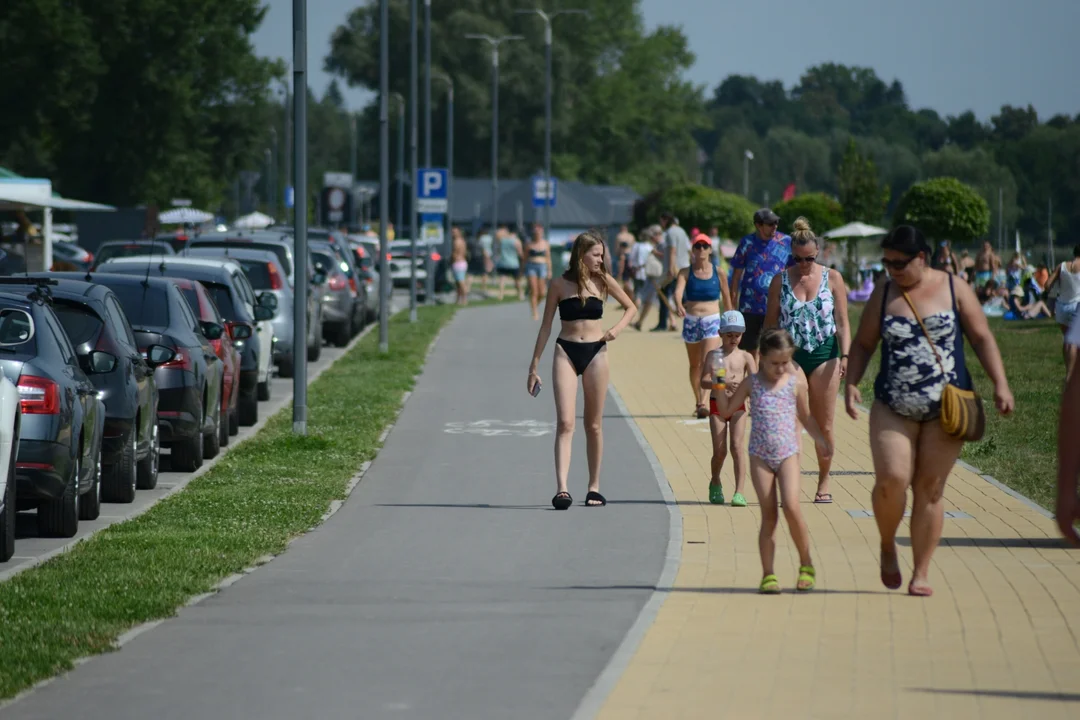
(719, 370)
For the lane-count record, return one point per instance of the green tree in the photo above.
(701, 207)
(978, 169)
(822, 211)
(861, 194)
(944, 209)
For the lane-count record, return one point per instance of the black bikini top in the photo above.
(571, 309)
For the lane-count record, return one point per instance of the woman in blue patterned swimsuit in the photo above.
(906, 440)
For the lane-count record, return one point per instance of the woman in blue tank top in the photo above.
(699, 290)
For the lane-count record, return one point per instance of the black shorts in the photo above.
(508, 272)
(753, 332)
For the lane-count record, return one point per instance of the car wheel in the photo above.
(234, 419)
(7, 519)
(342, 333)
(212, 441)
(249, 409)
(223, 428)
(123, 477)
(314, 351)
(285, 367)
(265, 388)
(90, 504)
(148, 467)
(60, 517)
(187, 453)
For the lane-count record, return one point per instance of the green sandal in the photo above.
(737, 500)
(716, 494)
(806, 579)
(769, 585)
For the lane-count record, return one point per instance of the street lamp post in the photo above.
(447, 240)
(271, 195)
(352, 167)
(384, 173)
(547, 18)
(494, 42)
(413, 227)
(300, 217)
(747, 157)
(399, 226)
(429, 276)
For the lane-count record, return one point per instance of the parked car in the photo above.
(127, 248)
(108, 353)
(189, 385)
(10, 419)
(366, 253)
(228, 349)
(69, 256)
(232, 293)
(344, 300)
(401, 261)
(58, 464)
(267, 276)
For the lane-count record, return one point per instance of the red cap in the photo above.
(703, 239)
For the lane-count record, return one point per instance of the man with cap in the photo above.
(761, 255)
(676, 249)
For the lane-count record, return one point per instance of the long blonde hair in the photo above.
(577, 273)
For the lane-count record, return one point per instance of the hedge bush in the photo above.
(701, 207)
(823, 212)
(944, 209)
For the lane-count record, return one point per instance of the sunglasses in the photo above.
(897, 265)
(808, 260)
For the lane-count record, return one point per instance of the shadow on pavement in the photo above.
(1016, 694)
(1047, 543)
(718, 590)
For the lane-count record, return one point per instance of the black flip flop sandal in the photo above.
(595, 497)
(562, 501)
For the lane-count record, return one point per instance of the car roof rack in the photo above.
(40, 293)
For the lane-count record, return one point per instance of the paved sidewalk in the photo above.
(997, 640)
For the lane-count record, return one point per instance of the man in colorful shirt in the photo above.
(760, 256)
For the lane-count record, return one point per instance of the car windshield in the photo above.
(258, 273)
(145, 306)
(281, 251)
(223, 299)
(81, 324)
(120, 251)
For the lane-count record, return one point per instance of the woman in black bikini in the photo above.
(580, 350)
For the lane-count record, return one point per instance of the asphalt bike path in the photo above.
(445, 587)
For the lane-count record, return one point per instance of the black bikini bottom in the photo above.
(580, 353)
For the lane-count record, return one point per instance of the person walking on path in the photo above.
(759, 257)
(537, 267)
(778, 395)
(486, 243)
(921, 317)
(1068, 498)
(648, 267)
(580, 351)
(624, 243)
(1067, 274)
(459, 265)
(676, 257)
(810, 301)
(728, 430)
(508, 259)
(700, 309)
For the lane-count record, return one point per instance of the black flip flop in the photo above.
(562, 501)
(595, 497)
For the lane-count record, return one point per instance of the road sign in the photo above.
(543, 193)
(337, 179)
(431, 191)
(289, 196)
(181, 202)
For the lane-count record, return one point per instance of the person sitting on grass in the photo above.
(778, 395)
(728, 430)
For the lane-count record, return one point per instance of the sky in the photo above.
(950, 55)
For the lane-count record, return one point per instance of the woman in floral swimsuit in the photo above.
(810, 302)
(906, 440)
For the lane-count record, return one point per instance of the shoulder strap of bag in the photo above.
(918, 319)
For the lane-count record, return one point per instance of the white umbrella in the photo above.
(184, 216)
(254, 221)
(855, 230)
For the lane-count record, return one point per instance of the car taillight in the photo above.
(89, 257)
(435, 257)
(275, 278)
(337, 282)
(389, 256)
(38, 395)
(216, 344)
(352, 285)
(182, 360)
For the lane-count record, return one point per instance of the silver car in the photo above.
(343, 300)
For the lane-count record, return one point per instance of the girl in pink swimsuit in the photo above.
(777, 394)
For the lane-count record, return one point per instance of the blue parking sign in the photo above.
(544, 193)
(431, 190)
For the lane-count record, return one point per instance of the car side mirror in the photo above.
(98, 362)
(159, 355)
(318, 278)
(212, 330)
(269, 300)
(264, 313)
(242, 332)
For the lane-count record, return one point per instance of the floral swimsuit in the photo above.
(773, 433)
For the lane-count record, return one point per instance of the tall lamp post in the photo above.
(547, 18)
(448, 241)
(384, 173)
(414, 228)
(271, 195)
(400, 163)
(747, 157)
(494, 42)
(300, 216)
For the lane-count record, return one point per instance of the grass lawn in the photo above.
(1020, 451)
(264, 492)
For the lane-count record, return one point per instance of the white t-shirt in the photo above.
(639, 255)
(676, 237)
(1073, 336)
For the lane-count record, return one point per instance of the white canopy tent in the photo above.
(184, 216)
(36, 194)
(254, 221)
(855, 230)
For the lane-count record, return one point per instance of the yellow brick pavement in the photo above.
(999, 638)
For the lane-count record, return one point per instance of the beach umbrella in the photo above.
(184, 216)
(254, 221)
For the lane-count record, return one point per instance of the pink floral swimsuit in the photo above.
(773, 434)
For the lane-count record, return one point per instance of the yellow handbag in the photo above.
(962, 414)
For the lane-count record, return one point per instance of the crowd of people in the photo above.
(766, 356)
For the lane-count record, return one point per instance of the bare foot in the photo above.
(919, 588)
(890, 569)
